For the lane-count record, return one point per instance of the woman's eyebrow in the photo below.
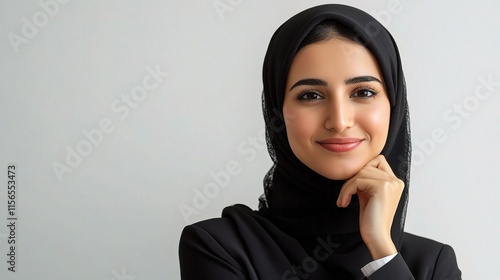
(310, 82)
(323, 83)
(361, 79)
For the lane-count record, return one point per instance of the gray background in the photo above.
(117, 215)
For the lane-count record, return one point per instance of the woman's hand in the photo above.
(379, 191)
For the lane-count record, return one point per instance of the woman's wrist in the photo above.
(380, 249)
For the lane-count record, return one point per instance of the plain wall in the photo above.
(168, 94)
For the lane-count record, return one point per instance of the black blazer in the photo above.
(244, 245)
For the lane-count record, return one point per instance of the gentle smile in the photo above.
(340, 145)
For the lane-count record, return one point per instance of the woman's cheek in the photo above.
(300, 126)
(294, 121)
(376, 122)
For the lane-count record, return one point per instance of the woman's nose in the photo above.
(339, 115)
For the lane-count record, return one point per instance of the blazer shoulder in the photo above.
(223, 248)
(214, 225)
(222, 235)
(413, 243)
(211, 249)
(429, 259)
(222, 228)
(217, 230)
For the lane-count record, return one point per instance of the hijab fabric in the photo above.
(296, 199)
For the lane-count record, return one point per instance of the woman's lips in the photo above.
(340, 145)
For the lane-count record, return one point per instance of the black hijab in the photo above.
(299, 201)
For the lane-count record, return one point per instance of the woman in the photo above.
(335, 200)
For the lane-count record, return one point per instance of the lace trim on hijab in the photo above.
(268, 178)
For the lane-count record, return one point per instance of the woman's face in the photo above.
(336, 108)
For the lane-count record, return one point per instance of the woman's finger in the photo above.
(381, 163)
(352, 187)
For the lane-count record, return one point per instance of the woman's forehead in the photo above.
(341, 58)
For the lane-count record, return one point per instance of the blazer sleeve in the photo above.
(395, 269)
(202, 257)
(442, 267)
(447, 266)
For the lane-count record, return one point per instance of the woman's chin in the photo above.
(340, 175)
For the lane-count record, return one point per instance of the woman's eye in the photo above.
(364, 93)
(309, 96)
